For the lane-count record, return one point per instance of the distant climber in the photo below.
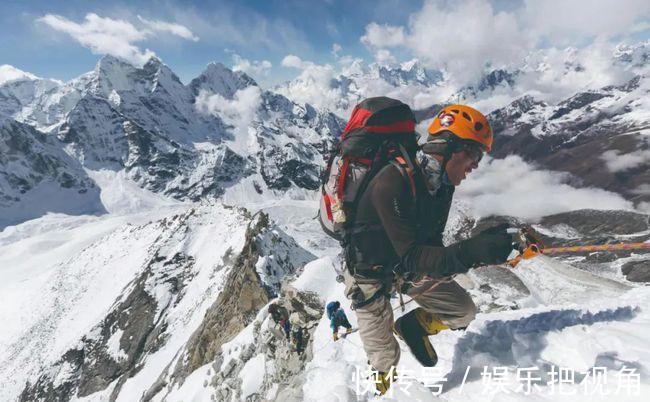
(391, 224)
(298, 331)
(280, 316)
(337, 318)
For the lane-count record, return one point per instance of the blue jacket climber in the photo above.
(337, 319)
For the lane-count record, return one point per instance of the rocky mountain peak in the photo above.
(637, 54)
(219, 79)
(495, 78)
(412, 72)
(111, 74)
(160, 73)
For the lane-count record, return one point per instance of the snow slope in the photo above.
(570, 319)
(125, 306)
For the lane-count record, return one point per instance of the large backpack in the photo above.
(331, 308)
(381, 130)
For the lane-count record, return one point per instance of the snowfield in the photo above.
(62, 274)
(128, 290)
(581, 334)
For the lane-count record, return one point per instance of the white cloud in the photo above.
(460, 37)
(467, 36)
(294, 61)
(255, 68)
(11, 73)
(384, 56)
(104, 35)
(323, 87)
(644, 207)
(617, 162)
(238, 112)
(383, 35)
(570, 22)
(643, 189)
(512, 187)
(175, 29)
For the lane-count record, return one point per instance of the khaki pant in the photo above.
(447, 300)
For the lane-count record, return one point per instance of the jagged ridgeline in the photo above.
(188, 296)
(168, 296)
(181, 141)
(165, 136)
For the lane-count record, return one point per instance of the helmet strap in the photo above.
(449, 150)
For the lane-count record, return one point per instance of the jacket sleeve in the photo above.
(395, 207)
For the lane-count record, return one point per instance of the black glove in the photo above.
(491, 246)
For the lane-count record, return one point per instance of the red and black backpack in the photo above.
(381, 130)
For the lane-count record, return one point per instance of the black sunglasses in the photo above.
(475, 151)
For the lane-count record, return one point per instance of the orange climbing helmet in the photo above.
(464, 122)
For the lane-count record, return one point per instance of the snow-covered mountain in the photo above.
(548, 75)
(339, 91)
(37, 176)
(599, 136)
(102, 323)
(145, 122)
(173, 306)
(148, 224)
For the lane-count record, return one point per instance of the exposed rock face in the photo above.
(219, 79)
(594, 225)
(145, 122)
(133, 328)
(147, 314)
(637, 271)
(243, 295)
(34, 168)
(283, 379)
(573, 135)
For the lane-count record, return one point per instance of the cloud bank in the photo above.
(255, 68)
(617, 162)
(465, 37)
(116, 37)
(238, 112)
(512, 187)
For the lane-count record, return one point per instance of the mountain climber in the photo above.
(299, 334)
(280, 316)
(396, 241)
(337, 318)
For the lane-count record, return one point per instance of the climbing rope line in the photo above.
(599, 247)
(423, 290)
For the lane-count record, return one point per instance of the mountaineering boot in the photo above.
(414, 329)
(383, 380)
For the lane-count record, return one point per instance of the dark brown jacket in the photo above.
(394, 229)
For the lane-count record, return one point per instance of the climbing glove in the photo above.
(491, 246)
(335, 336)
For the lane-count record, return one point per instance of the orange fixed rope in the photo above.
(534, 251)
(600, 247)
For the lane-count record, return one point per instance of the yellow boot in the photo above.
(383, 380)
(430, 322)
(414, 328)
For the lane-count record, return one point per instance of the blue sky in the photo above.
(55, 38)
(255, 30)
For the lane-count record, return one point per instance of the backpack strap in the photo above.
(406, 172)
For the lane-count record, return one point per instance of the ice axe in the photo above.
(529, 246)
